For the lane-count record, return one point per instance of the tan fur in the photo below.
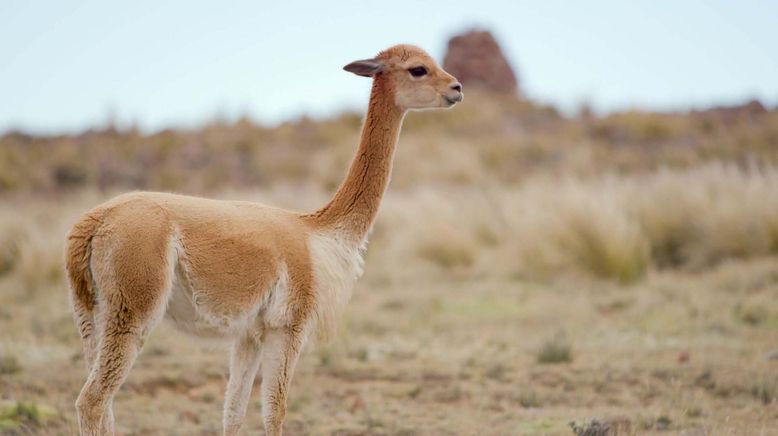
(261, 277)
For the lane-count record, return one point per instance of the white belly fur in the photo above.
(182, 310)
(337, 264)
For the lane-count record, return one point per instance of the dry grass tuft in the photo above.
(581, 227)
(616, 227)
(9, 364)
(555, 350)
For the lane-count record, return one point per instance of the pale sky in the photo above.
(69, 65)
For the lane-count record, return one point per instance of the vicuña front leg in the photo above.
(280, 350)
(244, 361)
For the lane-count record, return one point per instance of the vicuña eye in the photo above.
(417, 71)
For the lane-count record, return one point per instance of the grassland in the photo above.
(527, 271)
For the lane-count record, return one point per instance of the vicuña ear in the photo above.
(365, 67)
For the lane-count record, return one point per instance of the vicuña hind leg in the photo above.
(119, 346)
(244, 361)
(125, 322)
(280, 350)
(132, 280)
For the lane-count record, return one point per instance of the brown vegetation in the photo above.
(487, 139)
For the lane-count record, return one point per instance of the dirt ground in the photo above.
(678, 353)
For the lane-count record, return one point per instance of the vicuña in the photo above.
(260, 277)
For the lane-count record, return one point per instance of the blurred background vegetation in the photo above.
(488, 139)
(678, 183)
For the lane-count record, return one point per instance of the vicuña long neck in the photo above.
(355, 204)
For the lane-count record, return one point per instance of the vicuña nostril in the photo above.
(457, 87)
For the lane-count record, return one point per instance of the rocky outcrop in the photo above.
(477, 61)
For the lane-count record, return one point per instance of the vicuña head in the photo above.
(261, 278)
(412, 76)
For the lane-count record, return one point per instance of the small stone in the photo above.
(663, 423)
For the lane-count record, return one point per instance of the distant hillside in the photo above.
(488, 138)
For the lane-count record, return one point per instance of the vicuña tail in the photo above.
(82, 293)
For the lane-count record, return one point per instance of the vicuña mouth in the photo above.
(451, 101)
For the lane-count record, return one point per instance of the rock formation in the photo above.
(477, 61)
